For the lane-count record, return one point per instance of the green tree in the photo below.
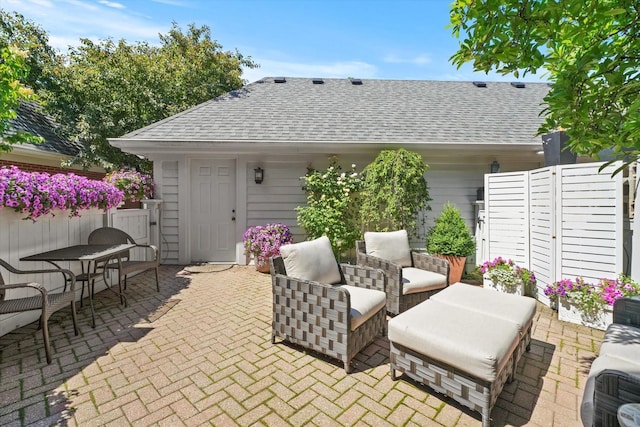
(590, 50)
(13, 69)
(107, 89)
(29, 37)
(333, 198)
(395, 192)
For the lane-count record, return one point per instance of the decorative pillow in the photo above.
(391, 245)
(311, 260)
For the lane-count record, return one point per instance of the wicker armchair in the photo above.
(336, 319)
(45, 301)
(614, 378)
(400, 297)
(109, 235)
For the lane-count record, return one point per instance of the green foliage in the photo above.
(107, 89)
(333, 198)
(13, 68)
(450, 235)
(590, 50)
(395, 193)
(29, 37)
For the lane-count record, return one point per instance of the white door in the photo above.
(213, 203)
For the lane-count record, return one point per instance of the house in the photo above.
(48, 155)
(204, 158)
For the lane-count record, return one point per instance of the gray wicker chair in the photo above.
(318, 316)
(45, 301)
(397, 299)
(619, 382)
(110, 235)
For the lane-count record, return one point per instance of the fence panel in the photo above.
(542, 228)
(590, 222)
(507, 216)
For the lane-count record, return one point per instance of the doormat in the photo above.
(162, 310)
(208, 268)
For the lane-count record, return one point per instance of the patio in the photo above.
(199, 353)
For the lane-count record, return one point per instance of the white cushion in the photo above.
(311, 260)
(390, 245)
(517, 309)
(621, 341)
(364, 304)
(468, 340)
(416, 280)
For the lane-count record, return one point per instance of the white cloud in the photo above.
(272, 68)
(416, 60)
(67, 23)
(112, 4)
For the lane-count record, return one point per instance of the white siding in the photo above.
(169, 234)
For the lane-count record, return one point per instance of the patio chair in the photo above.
(113, 236)
(412, 277)
(336, 310)
(46, 301)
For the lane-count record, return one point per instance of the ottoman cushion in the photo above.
(470, 341)
(621, 341)
(517, 309)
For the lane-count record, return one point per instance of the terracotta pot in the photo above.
(264, 268)
(456, 267)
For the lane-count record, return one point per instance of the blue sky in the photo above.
(401, 39)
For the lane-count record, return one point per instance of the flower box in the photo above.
(514, 290)
(601, 319)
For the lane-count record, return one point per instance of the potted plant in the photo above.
(451, 239)
(136, 185)
(264, 241)
(589, 304)
(505, 276)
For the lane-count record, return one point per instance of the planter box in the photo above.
(488, 284)
(567, 312)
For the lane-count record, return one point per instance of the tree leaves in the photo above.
(590, 49)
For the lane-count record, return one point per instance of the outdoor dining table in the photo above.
(89, 256)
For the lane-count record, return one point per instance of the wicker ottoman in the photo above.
(463, 351)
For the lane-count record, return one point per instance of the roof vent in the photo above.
(479, 84)
(356, 82)
(519, 85)
(318, 81)
(279, 80)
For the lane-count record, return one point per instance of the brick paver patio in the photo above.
(200, 353)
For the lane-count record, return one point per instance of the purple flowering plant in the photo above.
(135, 185)
(264, 241)
(507, 274)
(39, 193)
(591, 298)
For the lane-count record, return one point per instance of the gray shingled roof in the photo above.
(31, 119)
(403, 111)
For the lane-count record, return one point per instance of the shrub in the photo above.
(450, 235)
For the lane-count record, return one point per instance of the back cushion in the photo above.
(312, 260)
(391, 245)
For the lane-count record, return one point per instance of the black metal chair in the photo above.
(45, 301)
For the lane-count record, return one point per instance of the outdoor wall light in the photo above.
(495, 167)
(258, 175)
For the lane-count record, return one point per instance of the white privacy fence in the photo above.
(20, 238)
(561, 221)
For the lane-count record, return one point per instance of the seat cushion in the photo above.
(364, 304)
(311, 260)
(416, 280)
(470, 341)
(513, 308)
(621, 341)
(390, 245)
